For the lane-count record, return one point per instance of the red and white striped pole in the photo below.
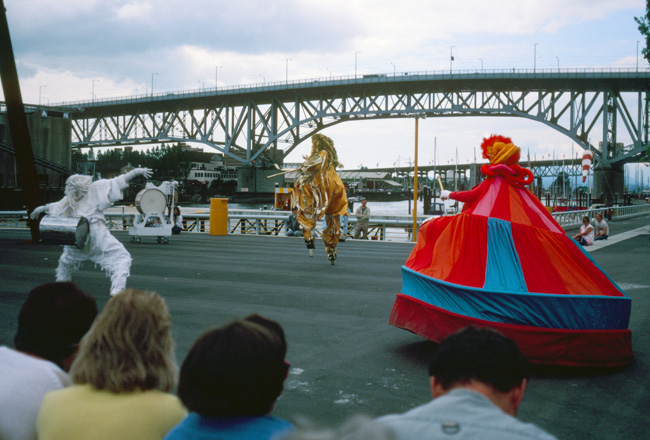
(587, 159)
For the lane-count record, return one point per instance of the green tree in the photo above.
(644, 28)
(167, 162)
(172, 162)
(77, 157)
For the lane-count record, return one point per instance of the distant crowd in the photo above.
(75, 374)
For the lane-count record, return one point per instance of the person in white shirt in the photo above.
(50, 325)
(586, 235)
(602, 228)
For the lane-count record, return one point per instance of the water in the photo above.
(401, 207)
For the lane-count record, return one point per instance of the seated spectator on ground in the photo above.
(477, 379)
(230, 381)
(50, 324)
(586, 235)
(292, 225)
(355, 428)
(178, 221)
(122, 376)
(602, 228)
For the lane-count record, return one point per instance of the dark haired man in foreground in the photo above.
(230, 381)
(477, 378)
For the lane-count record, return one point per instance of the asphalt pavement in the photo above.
(345, 358)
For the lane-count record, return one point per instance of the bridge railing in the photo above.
(367, 79)
(573, 219)
(382, 227)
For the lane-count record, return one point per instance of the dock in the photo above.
(345, 358)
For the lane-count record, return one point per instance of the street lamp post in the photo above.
(637, 55)
(155, 73)
(535, 57)
(355, 63)
(216, 76)
(558, 63)
(329, 72)
(287, 71)
(39, 94)
(451, 58)
(481, 64)
(93, 88)
(393, 69)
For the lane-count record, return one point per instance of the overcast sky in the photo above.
(66, 49)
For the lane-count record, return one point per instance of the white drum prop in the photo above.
(64, 230)
(153, 221)
(150, 200)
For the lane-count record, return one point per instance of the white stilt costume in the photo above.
(85, 198)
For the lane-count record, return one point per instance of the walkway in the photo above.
(344, 356)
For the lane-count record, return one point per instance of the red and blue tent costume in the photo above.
(505, 263)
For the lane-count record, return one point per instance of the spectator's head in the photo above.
(177, 210)
(294, 210)
(585, 220)
(129, 346)
(484, 360)
(235, 370)
(52, 320)
(599, 217)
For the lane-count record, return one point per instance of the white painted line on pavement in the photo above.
(630, 286)
(613, 239)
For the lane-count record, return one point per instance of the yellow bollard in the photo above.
(218, 216)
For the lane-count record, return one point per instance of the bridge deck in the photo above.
(345, 357)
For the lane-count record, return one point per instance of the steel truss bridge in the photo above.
(249, 123)
(540, 168)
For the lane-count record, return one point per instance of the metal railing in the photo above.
(255, 222)
(363, 78)
(572, 219)
(382, 227)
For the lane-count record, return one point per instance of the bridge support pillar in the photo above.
(474, 175)
(254, 179)
(609, 182)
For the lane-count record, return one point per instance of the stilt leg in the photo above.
(310, 245)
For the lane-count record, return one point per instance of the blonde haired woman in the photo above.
(123, 376)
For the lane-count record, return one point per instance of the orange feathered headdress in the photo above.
(501, 152)
(500, 149)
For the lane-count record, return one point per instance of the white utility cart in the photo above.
(155, 205)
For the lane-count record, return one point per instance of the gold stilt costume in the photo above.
(319, 192)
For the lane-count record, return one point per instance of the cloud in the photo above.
(134, 11)
(67, 48)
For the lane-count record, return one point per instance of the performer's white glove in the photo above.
(37, 211)
(444, 194)
(146, 172)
